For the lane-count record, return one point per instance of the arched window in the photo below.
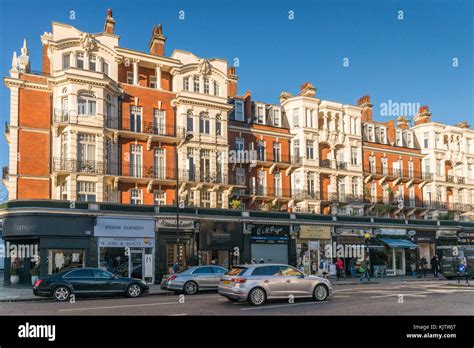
(204, 124)
(86, 103)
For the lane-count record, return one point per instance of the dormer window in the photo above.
(371, 133)
(260, 114)
(105, 67)
(399, 138)
(383, 138)
(276, 117)
(239, 110)
(216, 89)
(410, 139)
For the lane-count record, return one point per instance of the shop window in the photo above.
(61, 259)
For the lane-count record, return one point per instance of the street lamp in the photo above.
(187, 138)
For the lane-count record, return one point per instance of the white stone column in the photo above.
(86, 61)
(98, 64)
(135, 72)
(72, 59)
(158, 76)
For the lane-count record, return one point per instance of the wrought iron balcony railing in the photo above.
(144, 127)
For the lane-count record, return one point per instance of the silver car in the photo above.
(259, 283)
(194, 279)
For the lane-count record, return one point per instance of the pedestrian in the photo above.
(434, 266)
(365, 269)
(339, 267)
(175, 267)
(423, 264)
(352, 267)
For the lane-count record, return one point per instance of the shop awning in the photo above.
(399, 243)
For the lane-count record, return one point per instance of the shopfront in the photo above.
(220, 243)
(399, 250)
(175, 248)
(426, 241)
(270, 243)
(311, 247)
(126, 246)
(47, 243)
(351, 240)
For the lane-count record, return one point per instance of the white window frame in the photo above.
(239, 110)
(136, 196)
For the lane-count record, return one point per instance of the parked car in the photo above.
(88, 282)
(191, 280)
(259, 283)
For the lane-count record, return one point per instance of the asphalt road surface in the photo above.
(394, 298)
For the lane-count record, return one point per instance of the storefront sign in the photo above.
(466, 237)
(393, 231)
(220, 235)
(352, 231)
(123, 227)
(270, 234)
(425, 237)
(183, 224)
(446, 234)
(122, 242)
(315, 232)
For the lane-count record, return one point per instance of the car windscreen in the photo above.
(236, 271)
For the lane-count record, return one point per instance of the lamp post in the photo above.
(187, 138)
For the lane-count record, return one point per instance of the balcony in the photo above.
(325, 163)
(5, 173)
(453, 179)
(149, 172)
(145, 128)
(266, 192)
(78, 166)
(405, 174)
(209, 177)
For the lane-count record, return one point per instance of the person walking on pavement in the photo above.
(175, 267)
(339, 267)
(423, 264)
(434, 266)
(365, 269)
(352, 267)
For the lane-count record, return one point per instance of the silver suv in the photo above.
(259, 283)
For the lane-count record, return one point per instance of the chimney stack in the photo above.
(109, 23)
(157, 42)
(307, 90)
(364, 103)
(423, 116)
(402, 122)
(232, 84)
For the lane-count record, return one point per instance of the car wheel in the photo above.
(61, 293)
(320, 292)
(190, 288)
(134, 290)
(257, 297)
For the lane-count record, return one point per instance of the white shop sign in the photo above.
(162, 223)
(393, 231)
(121, 242)
(123, 227)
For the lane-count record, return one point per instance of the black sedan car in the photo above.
(88, 282)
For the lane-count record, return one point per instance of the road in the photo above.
(394, 298)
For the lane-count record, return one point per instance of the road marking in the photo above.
(122, 306)
(283, 305)
(419, 294)
(178, 315)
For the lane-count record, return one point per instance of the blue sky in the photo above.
(407, 60)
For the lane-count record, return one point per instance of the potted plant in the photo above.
(14, 277)
(235, 204)
(34, 275)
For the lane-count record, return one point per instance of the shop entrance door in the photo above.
(175, 253)
(136, 263)
(400, 261)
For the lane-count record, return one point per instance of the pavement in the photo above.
(434, 298)
(19, 293)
